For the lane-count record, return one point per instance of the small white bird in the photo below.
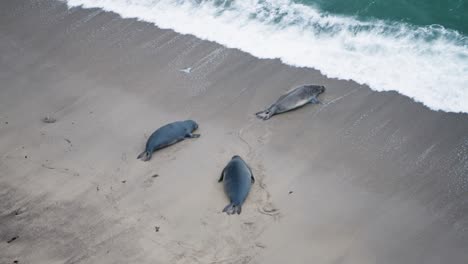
(186, 70)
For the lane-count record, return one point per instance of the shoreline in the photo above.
(402, 62)
(365, 176)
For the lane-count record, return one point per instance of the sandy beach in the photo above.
(364, 177)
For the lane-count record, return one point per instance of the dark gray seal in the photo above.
(238, 179)
(293, 99)
(168, 135)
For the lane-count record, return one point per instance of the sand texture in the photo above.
(365, 177)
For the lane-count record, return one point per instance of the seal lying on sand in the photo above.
(237, 178)
(168, 135)
(293, 99)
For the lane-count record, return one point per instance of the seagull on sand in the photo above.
(186, 70)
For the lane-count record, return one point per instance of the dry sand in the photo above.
(366, 177)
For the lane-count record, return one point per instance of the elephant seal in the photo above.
(238, 179)
(293, 99)
(168, 135)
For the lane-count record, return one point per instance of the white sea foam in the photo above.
(428, 64)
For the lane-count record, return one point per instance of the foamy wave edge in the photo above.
(427, 64)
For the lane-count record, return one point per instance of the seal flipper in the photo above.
(190, 135)
(222, 176)
(265, 115)
(228, 209)
(252, 178)
(314, 100)
(145, 156)
(232, 209)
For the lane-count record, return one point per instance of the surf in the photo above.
(426, 63)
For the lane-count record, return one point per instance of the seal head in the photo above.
(317, 89)
(191, 125)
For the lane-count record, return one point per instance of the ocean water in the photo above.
(417, 48)
(451, 14)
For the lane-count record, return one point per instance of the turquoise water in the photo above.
(447, 13)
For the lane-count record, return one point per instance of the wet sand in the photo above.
(365, 177)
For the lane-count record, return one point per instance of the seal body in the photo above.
(293, 99)
(168, 135)
(237, 178)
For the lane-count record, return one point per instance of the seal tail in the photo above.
(232, 209)
(144, 156)
(265, 115)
